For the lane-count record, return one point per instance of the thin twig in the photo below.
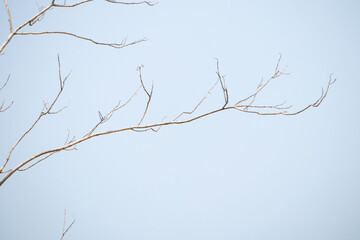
(64, 231)
(199, 103)
(9, 16)
(45, 111)
(133, 3)
(147, 93)
(114, 45)
(222, 82)
(105, 118)
(243, 108)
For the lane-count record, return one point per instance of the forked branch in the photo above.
(149, 94)
(240, 105)
(40, 15)
(9, 16)
(133, 3)
(46, 110)
(3, 108)
(66, 229)
(122, 44)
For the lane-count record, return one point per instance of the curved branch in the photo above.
(236, 106)
(133, 3)
(114, 45)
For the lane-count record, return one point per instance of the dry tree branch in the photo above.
(37, 17)
(46, 110)
(6, 82)
(222, 81)
(138, 127)
(133, 3)
(114, 45)
(9, 16)
(38, 161)
(105, 118)
(64, 231)
(2, 107)
(147, 93)
(199, 103)
(71, 5)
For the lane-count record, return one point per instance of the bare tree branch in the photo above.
(123, 44)
(222, 82)
(9, 16)
(45, 111)
(42, 10)
(278, 109)
(199, 103)
(64, 231)
(133, 3)
(6, 82)
(147, 93)
(2, 107)
(71, 5)
(105, 118)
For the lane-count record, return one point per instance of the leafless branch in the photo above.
(39, 16)
(222, 82)
(105, 118)
(45, 111)
(256, 109)
(64, 231)
(71, 5)
(40, 160)
(7, 80)
(133, 3)
(199, 103)
(2, 107)
(9, 16)
(123, 44)
(261, 86)
(147, 93)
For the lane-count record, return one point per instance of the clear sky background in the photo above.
(229, 176)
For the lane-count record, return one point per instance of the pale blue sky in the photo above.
(228, 176)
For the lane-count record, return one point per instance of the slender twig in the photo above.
(138, 127)
(72, 5)
(64, 231)
(133, 3)
(123, 44)
(222, 82)
(105, 118)
(45, 111)
(9, 16)
(2, 107)
(149, 94)
(199, 103)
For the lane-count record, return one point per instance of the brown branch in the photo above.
(6, 82)
(147, 93)
(277, 73)
(9, 16)
(199, 103)
(243, 108)
(105, 118)
(222, 82)
(2, 107)
(133, 3)
(114, 45)
(12, 34)
(40, 160)
(72, 5)
(45, 111)
(64, 231)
